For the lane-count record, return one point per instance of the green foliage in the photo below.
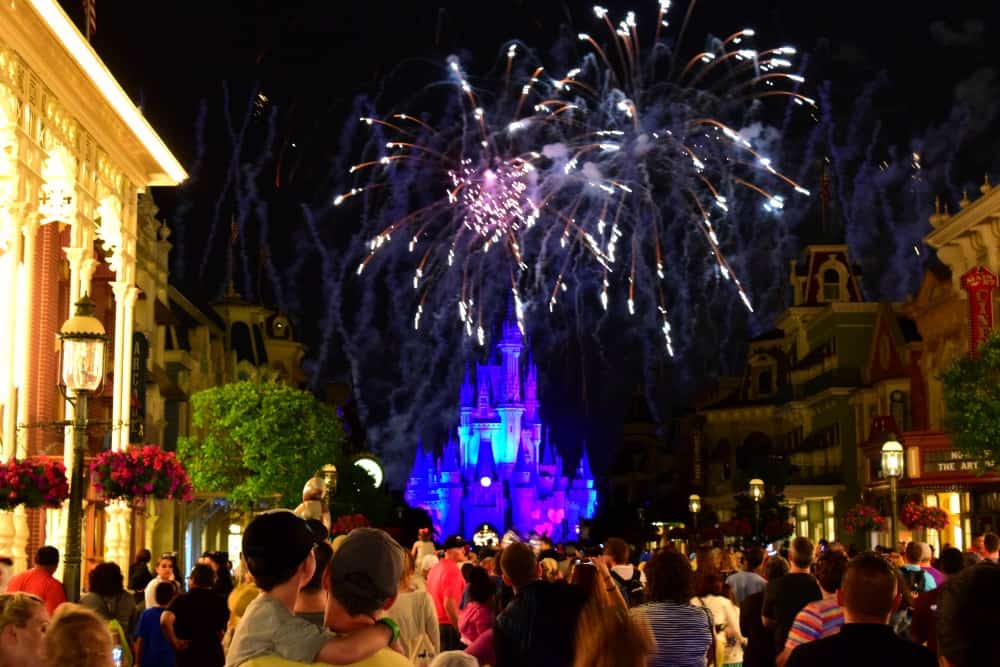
(972, 402)
(356, 494)
(254, 440)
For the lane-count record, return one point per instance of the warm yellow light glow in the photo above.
(94, 68)
(20, 333)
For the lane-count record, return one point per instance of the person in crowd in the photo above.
(928, 565)
(478, 614)
(918, 579)
(77, 637)
(454, 659)
(991, 547)
(923, 628)
(684, 634)
(6, 572)
(708, 593)
(536, 628)
(550, 569)
(241, 597)
(786, 596)
(968, 617)
(219, 562)
(547, 549)
(195, 622)
(976, 546)
(108, 598)
(446, 585)
(594, 579)
(610, 637)
(424, 546)
(627, 577)
(424, 566)
(39, 580)
(166, 570)
(414, 613)
(151, 647)
(139, 575)
(824, 617)
(869, 594)
(311, 601)
(759, 650)
(748, 580)
(23, 622)
(278, 550)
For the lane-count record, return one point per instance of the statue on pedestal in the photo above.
(313, 505)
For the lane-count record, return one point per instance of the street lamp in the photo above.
(757, 493)
(892, 467)
(694, 504)
(329, 472)
(83, 342)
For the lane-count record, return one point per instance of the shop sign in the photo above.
(979, 282)
(951, 461)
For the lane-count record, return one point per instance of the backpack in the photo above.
(631, 589)
(915, 580)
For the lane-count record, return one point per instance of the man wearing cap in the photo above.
(446, 584)
(278, 550)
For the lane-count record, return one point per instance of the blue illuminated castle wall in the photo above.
(498, 469)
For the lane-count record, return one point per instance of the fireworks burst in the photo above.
(535, 182)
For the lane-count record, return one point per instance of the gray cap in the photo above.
(365, 570)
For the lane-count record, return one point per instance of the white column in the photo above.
(117, 535)
(120, 379)
(8, 333)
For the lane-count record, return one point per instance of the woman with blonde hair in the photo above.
(414, 612)
(77, 637)
(23, 621)
(550, 569)
(610, 637)
(594, 578)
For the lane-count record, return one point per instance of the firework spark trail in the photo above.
(186, 203)
(573, 149)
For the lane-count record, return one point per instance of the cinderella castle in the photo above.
(497, 472)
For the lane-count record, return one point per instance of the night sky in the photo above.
(935, 86)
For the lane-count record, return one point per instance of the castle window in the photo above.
(831, 285)
(241, 341)
(899, 408)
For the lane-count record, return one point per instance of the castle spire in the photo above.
(522, 464)
(485, 466)
(468, 391)
(583, 470)
(449, 459)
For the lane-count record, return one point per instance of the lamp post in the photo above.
(694, 504)
(83, 342)
(329, 472)
(757, 494)
(892, 468)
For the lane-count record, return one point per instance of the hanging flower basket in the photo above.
(915, 515)
(139, 473)
(776, 529)
(863, 519)
(736, 528)
(348, 522)
(34, 482)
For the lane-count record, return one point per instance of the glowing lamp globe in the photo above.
(83, 341)
(892, 459)
(694, 503)
(756, 489)
(371, 466)
(485, 482)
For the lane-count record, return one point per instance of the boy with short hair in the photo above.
(152, 648)
(277, 548)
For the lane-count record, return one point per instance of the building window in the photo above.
(899, 408)
(831, 285)
(241, 341)
(765, 382)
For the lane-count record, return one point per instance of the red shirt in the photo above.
(445, 581)
(38, 581)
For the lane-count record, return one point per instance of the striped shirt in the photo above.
(683, 633)
(816, 620)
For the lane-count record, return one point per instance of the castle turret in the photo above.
(419, 480)
(531, 392)
(483, 387)
(450, 490)
(581, 499)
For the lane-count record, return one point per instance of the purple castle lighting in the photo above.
(499, 471)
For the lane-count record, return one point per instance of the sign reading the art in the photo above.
(951, 461)
(979, 282)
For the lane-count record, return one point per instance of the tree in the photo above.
(972, 402)
(255, 440)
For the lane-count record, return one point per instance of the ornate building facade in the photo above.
(500, 469)
(75, 154)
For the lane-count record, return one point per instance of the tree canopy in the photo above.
(972, 402)
(255, 440)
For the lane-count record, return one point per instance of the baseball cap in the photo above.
(365, 570)
(455, 542)
(276, 542)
